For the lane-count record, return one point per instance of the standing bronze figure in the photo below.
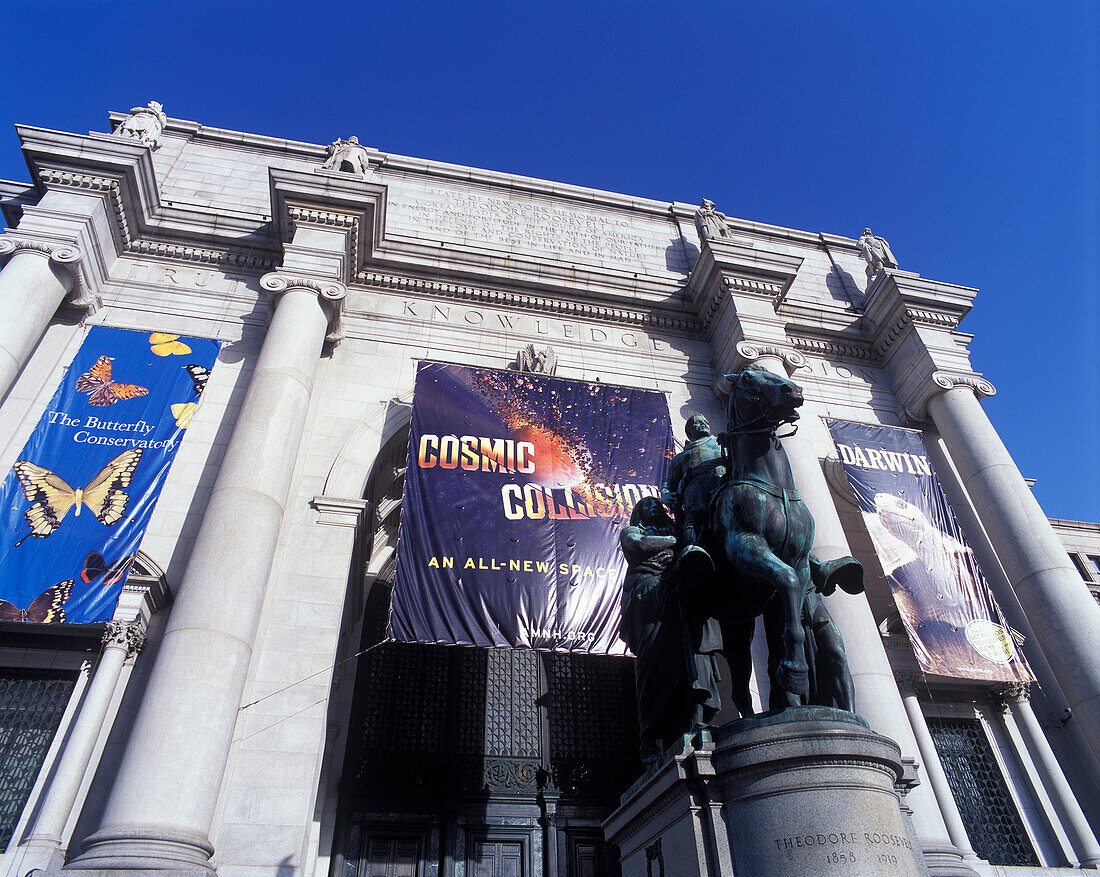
(677, 683)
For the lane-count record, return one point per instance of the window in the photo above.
(31, 705)
(985, 804)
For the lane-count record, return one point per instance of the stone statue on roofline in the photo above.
(876, 251)
(144, 124)
(710, 223)
(347, 156)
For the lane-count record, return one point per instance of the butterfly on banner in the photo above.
(97, 381)
(51, 496)
(164, 344)
(46, 608)
(183, 412)
(199, 376)
(96, 567)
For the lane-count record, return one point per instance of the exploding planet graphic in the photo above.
(556, 463)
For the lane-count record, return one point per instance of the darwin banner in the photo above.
(516, 490)
(953, 622)
(78, 498)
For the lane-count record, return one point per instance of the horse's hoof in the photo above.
(794, 679)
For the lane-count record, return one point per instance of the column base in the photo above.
(945, 860)
(143, 852)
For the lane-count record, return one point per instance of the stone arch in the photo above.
(351, 470)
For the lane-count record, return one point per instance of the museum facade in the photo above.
(244, 712)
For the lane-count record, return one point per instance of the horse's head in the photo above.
(762, 398)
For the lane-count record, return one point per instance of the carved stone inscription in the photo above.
(535, 327)
(859, 852)
(530, 225)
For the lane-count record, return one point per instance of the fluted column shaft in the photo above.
(1062, 613)
(32, 287)
(161, 807)
(878, 699)
(121, 640)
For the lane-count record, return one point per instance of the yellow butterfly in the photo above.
(183, 412)
(51, 496)
(164, 344)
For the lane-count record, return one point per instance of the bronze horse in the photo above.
(759, 537)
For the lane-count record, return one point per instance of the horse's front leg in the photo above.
(751, 554)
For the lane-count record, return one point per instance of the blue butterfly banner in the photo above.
(77, 501)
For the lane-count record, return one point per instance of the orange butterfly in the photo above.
(97, 381)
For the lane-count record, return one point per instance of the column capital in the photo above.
(916, 408)
(1004, 695)
(909, 682)
(61, 254)
(331, 293)
(751, 351)
(126, 635)
(745, 352)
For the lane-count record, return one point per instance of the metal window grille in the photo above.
(31, 705)
(987, 810)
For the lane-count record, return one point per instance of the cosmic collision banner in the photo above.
(78, 499)
(953, 621)
(516, 490)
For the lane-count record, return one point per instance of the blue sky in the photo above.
(965, 133)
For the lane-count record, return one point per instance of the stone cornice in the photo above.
(221, 258)
(339, 202)
(119, 169)
(526, 301)
(726, 269)
(331, 293)
(899, 299)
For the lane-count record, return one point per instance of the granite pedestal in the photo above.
(807, 791)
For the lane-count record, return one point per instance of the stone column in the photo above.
(33, 284)
(877, 697)
(933, 769)
(1015, 700)
(1062, 613)
(161, 807)
(121, 640)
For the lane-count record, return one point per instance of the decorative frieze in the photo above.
(177, 252)
(856, 351)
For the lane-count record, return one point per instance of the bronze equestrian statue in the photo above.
(760, 534)
(748, 555)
